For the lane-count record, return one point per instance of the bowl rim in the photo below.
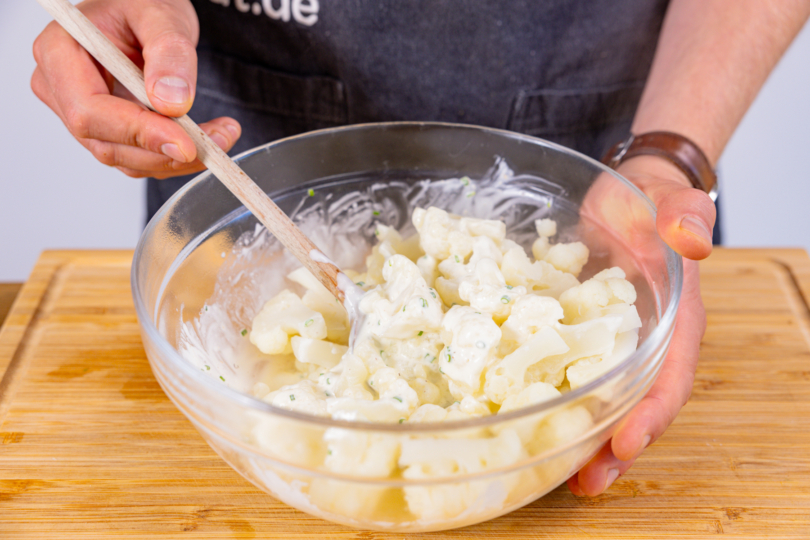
(661, 334)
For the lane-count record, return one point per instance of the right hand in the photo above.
(160, 37)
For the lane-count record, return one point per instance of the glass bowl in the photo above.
(203, 268)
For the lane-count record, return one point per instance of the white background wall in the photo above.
(53, 194)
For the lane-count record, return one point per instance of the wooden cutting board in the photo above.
(90, 447)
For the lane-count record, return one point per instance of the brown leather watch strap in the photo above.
(675, 148)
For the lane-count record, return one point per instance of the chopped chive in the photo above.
(311, 192)
(398, 398)
(376, 213)
(371, 383)
(457, 259)
(376, 232)
(390, 263)
(328, 381)
(361, 283)
(420, 333)
(465, 181)
(471, 194)
(548, 203)
(403, 308)
(381, 352)
(329, 451)
(292, 397)
(449, 356)
(424, 302)
(221, 377)
(433, 294)
(206, 308)
(509, 287)
(505, 299)
(244, 331)
(308, 322)
(401, 420)
(432, 359)
(208, 368)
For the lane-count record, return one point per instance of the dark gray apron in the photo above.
(570, 71)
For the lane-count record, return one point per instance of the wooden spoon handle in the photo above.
(211, 155)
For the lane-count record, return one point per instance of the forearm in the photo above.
(713, 56)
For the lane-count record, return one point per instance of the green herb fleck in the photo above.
(505, 299)
(221, 377)
(432, 359)
(329, 451)
(401, 420)
(390, 262)
(433, 294)
(509, 287)
(398, 398)
(465, 181)
(376, 232)
(420, 333)
(457, 259)
(311, 192)
(244, 331)
(403, 308)
(361, 283)
(424, 302)
(208, 368)
(292, 397)
(376, 212)
(470, 194)
(371, 383)
(548, 203)
(449, 356)
(206, 308)
(308, 322)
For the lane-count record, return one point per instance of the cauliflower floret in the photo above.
(355, 453)
(442, 234)
(445, 458)
(546, 228)
(568, 257)
(486, 290)
(529, 314)
(318, 298)
(606, 288)
(283, 316)
(582, 372)
(303, 396)
(591, 338)
(404, 306)
(507, 377)
(470, 337)
(538, 277)
(317, 351)
(429, 268)
(289, 441)
(531, 395)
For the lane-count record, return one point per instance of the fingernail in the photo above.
(233, 130)
(612, 475)
(219, 139)
(172, 90)
(696, 226)
(645, 442)
(173, 151)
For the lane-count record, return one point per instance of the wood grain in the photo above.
(90, 447)
(8, 292)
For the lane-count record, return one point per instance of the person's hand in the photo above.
(160, 37)
(685, 218)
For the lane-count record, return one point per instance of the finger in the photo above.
(90, 112)
(599, 473)
(168, 32)
(139, 163)
(685, 215)
(671, 390)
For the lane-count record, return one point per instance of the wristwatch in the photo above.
(676, 149)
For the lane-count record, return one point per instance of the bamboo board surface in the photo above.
(90, 447)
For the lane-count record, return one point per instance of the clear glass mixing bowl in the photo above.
(203, 268)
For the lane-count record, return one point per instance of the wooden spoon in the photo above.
(213, 157)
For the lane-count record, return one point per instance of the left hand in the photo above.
(685, 218)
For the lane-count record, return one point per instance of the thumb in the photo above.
(168, 33)
(685, 215)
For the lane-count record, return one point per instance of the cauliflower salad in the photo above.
(459, 322)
